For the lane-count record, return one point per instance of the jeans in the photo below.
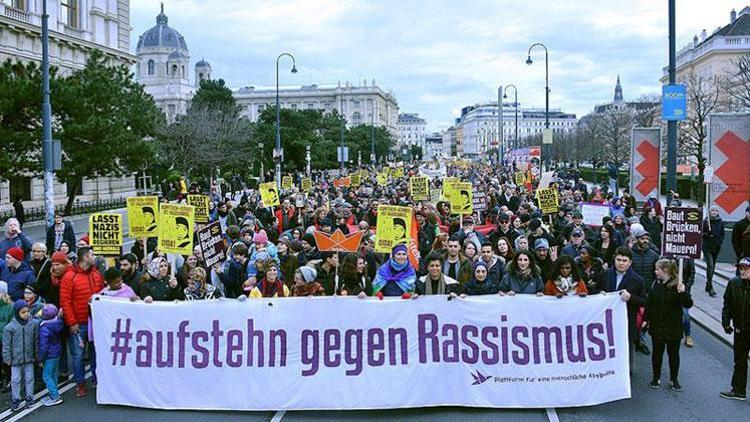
(657, 356)
(686, 321)
(741, 349)
(25, 371)
(77, 345)
(49, 375)
(710, 259)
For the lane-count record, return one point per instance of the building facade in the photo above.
(411, 130)
(76, 27)
(478, 126)
(712, 55)
(163, 68)
(433, 146)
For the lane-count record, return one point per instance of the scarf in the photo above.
(524, 274)
(401, 274)
(270, 289)
(428, 285)
(55, 278)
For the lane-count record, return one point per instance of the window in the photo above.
(200, 76)
(174, 69)
(69, 12)
(150, 67)
(310, 106)
(294, 107)
(356, 118)
(18, 4)
(183, 71)
(20, 187)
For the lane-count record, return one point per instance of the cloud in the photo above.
(439, 56)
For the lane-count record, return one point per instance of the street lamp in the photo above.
(260, 147)
(546, 82)
(307, 159)
(278, 155)
(515, 105)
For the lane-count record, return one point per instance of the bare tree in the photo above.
(611, 131)
(737, 84)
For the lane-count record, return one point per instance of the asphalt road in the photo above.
(706, 370)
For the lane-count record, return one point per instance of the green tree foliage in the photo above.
(103, 119)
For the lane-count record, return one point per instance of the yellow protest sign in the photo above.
(398, 172)
(306, 184)
(105, 234)
(461, 198)
(176, 229)
(200, 202)
(420, 188)
(356, 179)
(143, 216)
(269, 194)
(548, 201)
(286, 183)
(382, 178)
(448, 183)
(520, 178)
(363, 175)
(393, 227)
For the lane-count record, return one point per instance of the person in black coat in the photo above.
(713, 238)
(664, 315)
(60, 231)
(735, 318)
(621, 278)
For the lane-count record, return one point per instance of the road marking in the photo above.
(65, 386)
(278, 416)
(552, 414)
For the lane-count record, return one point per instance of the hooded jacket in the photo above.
(20, 338)
(76, 288)
(18, 279)
(50, 341)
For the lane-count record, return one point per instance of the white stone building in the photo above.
(164, 65)
(479, 126)
(411, 130)
(76, 27)
(433, 146)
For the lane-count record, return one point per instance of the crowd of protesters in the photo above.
(509, 248)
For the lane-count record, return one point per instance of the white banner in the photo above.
(347, 353)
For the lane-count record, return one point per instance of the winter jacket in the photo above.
(451, 285)
(68, 236)
(20, 342)
(21, 240)
(6, 314)
(631, 282)
(664, 310)
(739, 240)
(18, 279)
(713, 239)
(76, 288)
(159, 290)
(590, 274)
(736, 310)
(644, 262)
(485, 287)
(654, 228)
(50, 340)
(232, 278)
(512, 281)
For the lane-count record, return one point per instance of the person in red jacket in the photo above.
(286, 216)
(80, 282)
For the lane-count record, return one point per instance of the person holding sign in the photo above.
(396, 277)
(664, 315)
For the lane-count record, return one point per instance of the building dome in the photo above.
(203, 63)
(177, 55)
(161, 35)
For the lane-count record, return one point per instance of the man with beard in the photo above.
(503, 229)
(225, 217)
(130, 274)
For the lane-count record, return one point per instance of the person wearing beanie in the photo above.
(35, 302)
(19, 351)
(396, 277)
(50, 351)
(270, 285)
(6, 314)
(19, 272)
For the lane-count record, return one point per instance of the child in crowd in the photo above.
(6, 314)
(50, 349)
(19, 351)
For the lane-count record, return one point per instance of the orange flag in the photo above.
(414, 242)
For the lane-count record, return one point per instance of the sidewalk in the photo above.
(706, 310)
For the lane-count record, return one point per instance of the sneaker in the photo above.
(732, 395)
(654, 384)
(675, 386)
(15, 405)
(81, 390)
(643, 349)
(712, 292)
(29, 402)
(49, 402)
(689, 341)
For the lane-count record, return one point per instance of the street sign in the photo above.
(673, 102)
(342, 154)
(682, 232)
(547, 136)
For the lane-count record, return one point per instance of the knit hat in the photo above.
(85, 239)
(3, 287)
(309, 238)
(16, 253)
(59, 258)
(744, 262)
(261, 237)
(295, 245)
(398, 248)
(29, 288)
(308, 274)
(541, 244)
(49, 311)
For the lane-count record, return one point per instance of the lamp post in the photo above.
(500, 97)
(372, 135)
(49, 166)
(546, 85)
(515, 106)
(307, 159)
(278, 156)
(260, 147)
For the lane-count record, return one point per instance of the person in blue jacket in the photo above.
(50, 349)
(19, 274)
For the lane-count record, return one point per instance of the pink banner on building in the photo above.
(729, 142)
(645, 163)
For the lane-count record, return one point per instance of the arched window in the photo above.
(356, 118)
(200, 76)
(183, 71)
(174, 69)
(150, 67)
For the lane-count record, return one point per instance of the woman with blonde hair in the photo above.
(664, 316)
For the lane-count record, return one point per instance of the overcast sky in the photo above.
(438, 56)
